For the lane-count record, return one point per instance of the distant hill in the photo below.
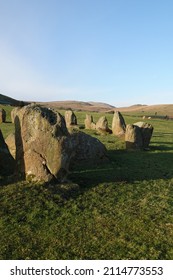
(137, 105)
(153, 110)
(102, 105)
(5, 100)
(161, 109)
(80, 105)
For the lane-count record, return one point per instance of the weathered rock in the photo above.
(14, 113)
(133, 137)
(102, 125)
(10, 141)
(70, 118)
(147, 131)
(89, 123)
(93, 126)
(138, 135)
(118, 124)
(2, 115)
(6, 160)
(88, 149)
(43, 149)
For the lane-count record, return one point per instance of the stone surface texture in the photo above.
(118, 124)
(43, 150)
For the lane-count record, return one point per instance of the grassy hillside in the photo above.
(8, 126)
(79, 106)
(122, 209)
(152, 110)
(6, 100)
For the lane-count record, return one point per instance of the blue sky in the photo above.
(114, 51)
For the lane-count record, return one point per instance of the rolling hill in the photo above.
(5, 100)
(80, 106)
(159, 110)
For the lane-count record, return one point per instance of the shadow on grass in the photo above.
(123, 167)
(127, 166)
(162, 146)
(162, 134)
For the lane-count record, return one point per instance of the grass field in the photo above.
(122, 209)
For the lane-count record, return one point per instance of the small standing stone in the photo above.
(147, 131)
(102, 125)
(118, 124)
(133, 137)
(70, 118)
(138, 135)
(89, 123)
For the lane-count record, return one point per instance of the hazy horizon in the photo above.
(91, 101)
(116, 52)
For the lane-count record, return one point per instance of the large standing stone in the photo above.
(88, 149)
(43, 149)
(2, 115)
(147, 131)
(6, 160)
(118, 124)
(102, 125)
(14, 113)
(70, 118)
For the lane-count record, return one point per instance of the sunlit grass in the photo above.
(122, 209)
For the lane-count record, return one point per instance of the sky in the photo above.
(114, 51)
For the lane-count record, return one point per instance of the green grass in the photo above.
(122, 209)
(8, 126)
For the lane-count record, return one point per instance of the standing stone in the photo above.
(118, 124)
(146, 131)
(14, 113)
(102, 125)
(89, 123)
(6, 160)
(138, 135)
(2, 115)
(133, 137)
(93, 125)
(43, 149)
(88, 149)
(70, 118)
